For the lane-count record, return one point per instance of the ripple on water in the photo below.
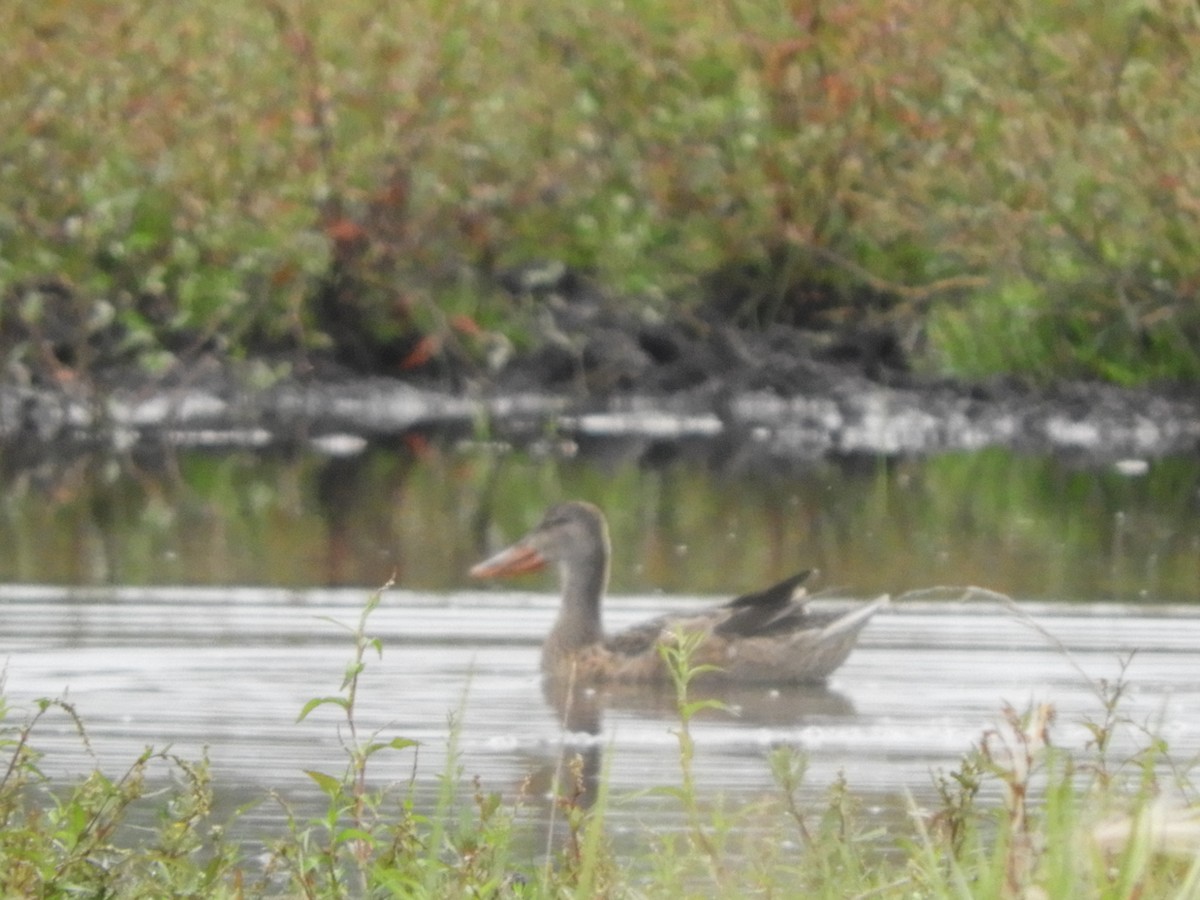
(230, 670)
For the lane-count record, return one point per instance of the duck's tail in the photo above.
(853, 621)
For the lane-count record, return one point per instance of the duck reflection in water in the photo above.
(580, 709)
(765, 656)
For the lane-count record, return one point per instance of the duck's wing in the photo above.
(777, 641)
(639, 638)
(776, 595)
(775, 610)
(768, 611)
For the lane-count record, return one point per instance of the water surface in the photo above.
(182, 598)
(229, 670)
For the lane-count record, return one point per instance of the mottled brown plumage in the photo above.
(768, 636)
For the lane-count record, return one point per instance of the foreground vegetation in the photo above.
(1060, 823)
(1009, 188)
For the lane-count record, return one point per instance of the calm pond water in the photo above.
(230, 670)
(184, 598)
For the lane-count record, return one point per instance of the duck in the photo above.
(769, 636)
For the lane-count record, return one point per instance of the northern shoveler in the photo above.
(768, 636)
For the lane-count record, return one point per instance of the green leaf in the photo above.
(399, 743)
(352, 671)
(692, 707)
(354, 834)
(329, 785)
(321, 701)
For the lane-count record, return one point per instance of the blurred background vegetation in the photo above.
(1008, 187)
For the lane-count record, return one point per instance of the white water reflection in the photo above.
(230, 670)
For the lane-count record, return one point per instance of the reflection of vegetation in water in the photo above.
(1031, 527)
(1047, 529)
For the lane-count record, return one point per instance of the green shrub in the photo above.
(208, 174)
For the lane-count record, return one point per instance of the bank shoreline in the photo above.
(847, 415)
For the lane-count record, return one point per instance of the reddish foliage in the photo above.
(426, 349)
(464, 324)
(344, 231)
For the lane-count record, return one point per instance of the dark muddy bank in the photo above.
(786, 390)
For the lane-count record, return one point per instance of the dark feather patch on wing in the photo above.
(776, 595)
(775, 610)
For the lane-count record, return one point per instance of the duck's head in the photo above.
(573, 535)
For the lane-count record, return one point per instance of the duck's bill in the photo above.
(516, 560)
